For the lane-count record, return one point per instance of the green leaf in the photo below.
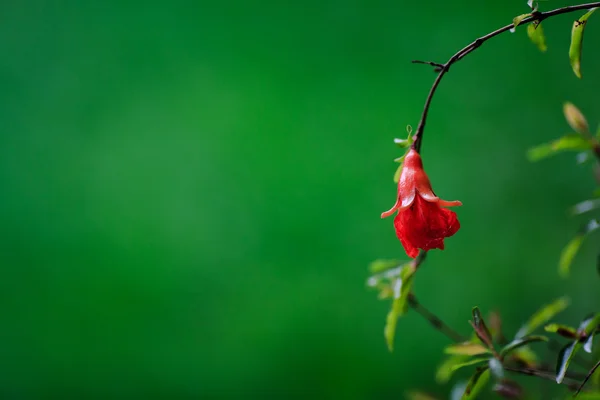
(564, 359)
(586, 395)
(525, 356)
(416, 395)
(575, 118)
(585, 206)
(517, 20)
(562, 330)
(572, 141)
(589, 325)
(473, 361)
(398, 172)
(577, 42)
(477, 382)
(481, 330)
(535, 31)
(496, 368)
(570, 250)
(446, 369)
(587, 345)
(382, 265)
(515, 344)
(542, 316)
(466, 349)
(402, 288)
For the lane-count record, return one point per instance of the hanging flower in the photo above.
(421, 222)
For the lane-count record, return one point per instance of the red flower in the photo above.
(421, 222)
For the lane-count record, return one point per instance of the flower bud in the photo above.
(575, 118)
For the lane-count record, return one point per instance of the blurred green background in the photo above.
(191, 191)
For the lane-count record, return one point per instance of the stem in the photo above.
(443, 68)
(588, 376)
(435, 321)
(541, 374)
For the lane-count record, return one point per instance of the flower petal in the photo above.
(446, 203)
(425, 225)
(391, 210)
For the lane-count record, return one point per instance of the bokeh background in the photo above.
(191, 191)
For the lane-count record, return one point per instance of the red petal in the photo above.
(424, 226)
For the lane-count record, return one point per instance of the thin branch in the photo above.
(541, 374)
(443, 68)
(435, 321)
(588, 376)
(438, 66)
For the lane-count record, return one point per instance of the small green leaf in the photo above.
(496, 368)
(473, 361)
(575, 118)
(568, 142)
(586, 395)
(481, 330)
(515, 344)
(535, 31)
(562, 330)
(402, 287)
(477, 382)
(382, 265)
(525, 356)
(542, 316)
(446, 369)
(517, 20)
(577, 42)
(587, 345)
(589, 325)
(564, 359)
(570, 250)
(402, 143)
(466, 349)
(585, 206)
(398, 172)
(416, 395)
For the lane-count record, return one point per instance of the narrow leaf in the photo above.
(535, 31)
(415, 395)
(568, 254)
(568, 142)
(398, 172)
(446, 369)
(570, 250)
(515, 344)
(382, 265)
(575, 118)
(481, 330)
(496, 368)
(477, 382)
(589, 325)
(585, 206)
(466, 349)
(525, 356)
(577, 42)
(543, 315)
(469, 363)
(402, 288)
(517, 20)
(562, 330)
(587, 345)
(564, 359)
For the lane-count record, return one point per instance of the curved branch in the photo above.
(443, 68)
